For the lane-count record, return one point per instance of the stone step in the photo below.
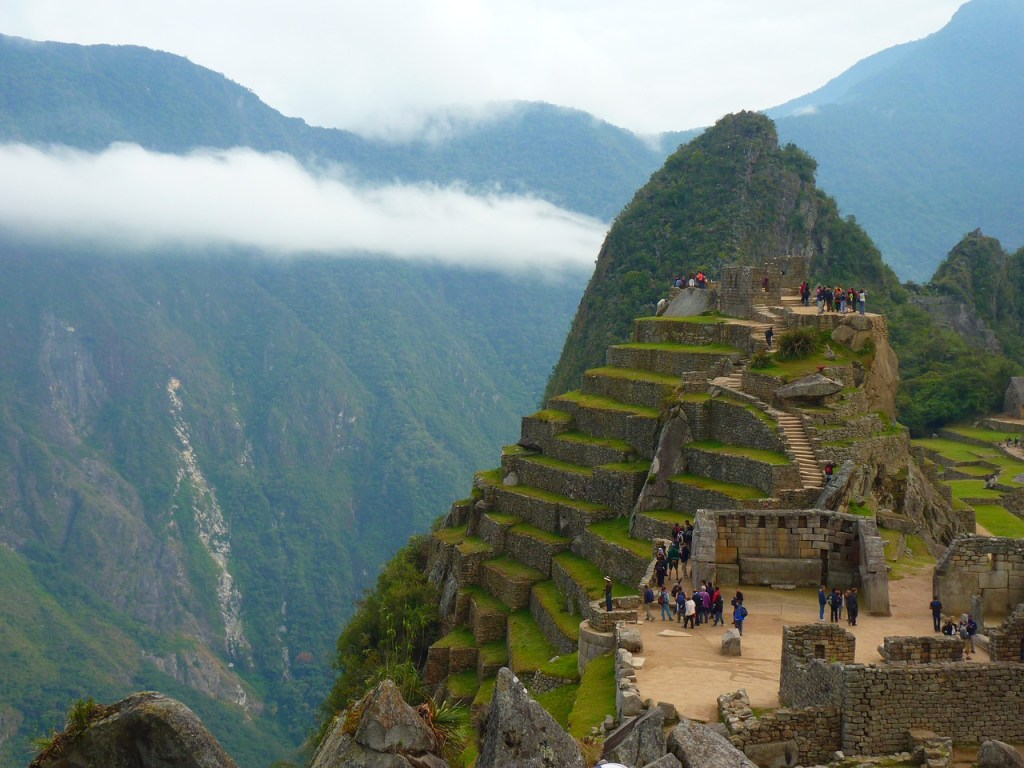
(672, 359)
(487, 615)
(549, 610)
(629, 386)
(606, 417)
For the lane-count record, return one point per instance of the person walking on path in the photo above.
(936, 606)
(664, 601)
(608, 593)
(768, 334)
(691, 611)
(739, 614)
(822, 602)
(648, 600)
(680, 606)
(673, 558)
(852, 609)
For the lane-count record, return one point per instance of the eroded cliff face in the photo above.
(950, 313)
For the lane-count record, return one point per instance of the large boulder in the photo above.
(732, 643)
(809, 387)
(639, 741)
(697, 746)
(520, 733)
(380, 731)
(996, 754)
(145, 730)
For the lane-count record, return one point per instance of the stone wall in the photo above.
(921, 650)
(1006, 642)
(813, 656)
(741, 469)
(621, 564)
(990, 566)
(783, 736)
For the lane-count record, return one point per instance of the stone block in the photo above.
(994, 580)
(771, 570)
(773, 754)
(726, 573)
(731, 643)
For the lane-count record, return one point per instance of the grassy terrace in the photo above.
(732, 490)
(589, 576)
(628, 466)
(450, 535)
(709, 319)
(460, 637)
(502, 519)
(616, 531)
(471, 545)
(563, 466)
(635, 374)
(999, 521)
(768, 457)
(667, 515)
(596, 697)
(553, 601)
(529, 650)
(513, 569)
(979, 433)
(914, 559)
(487, 602)
(973, 489)
(605, 442)
(559, 702)
(553, 498)
(696, 349)
(550, 414)
(463, 685)
(600, 403)
(525, 529)
(494, 653)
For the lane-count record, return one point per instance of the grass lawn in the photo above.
(732, 490)
(563, 466)
(912, 561)
(559, 702)
(605, 442)
(697, 319)
(635, 374)
(553, 498)
(538, 534)
(999, 521)
(549, 596)
(758, 454)
(464, 685)
(952, 449)
(513, 569)
(460, 637)
(450, 535)
(973, 489)
(616, 531)
(601, 403)
(529, 650)
(697, 349)
(550, 414)
(979, 433)
(596, 696)
(589, 576)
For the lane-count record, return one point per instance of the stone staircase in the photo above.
(800, 445)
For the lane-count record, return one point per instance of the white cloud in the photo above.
(129, 198)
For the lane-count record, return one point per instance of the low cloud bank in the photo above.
(129, 198)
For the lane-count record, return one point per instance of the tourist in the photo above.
(820, 299)
(673, 558)
(949, 628)
(608, 593)
(690, 611)
(698, 604)
(835, 602)
(829, 472)
(822, 602)
(648, 600)
(717, 605)
(684, 558)
(936, 606)
(842, 299)
(739, 613)
(972, 630)
(769, 332)
(852, 609)
(663, 601)
(680, 605)
(660, 569)
(862, 300)
(965, 637)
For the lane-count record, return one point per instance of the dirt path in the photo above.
(691, 672)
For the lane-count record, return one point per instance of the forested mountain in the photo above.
(921, 142)
(91, 96)
(207, 456)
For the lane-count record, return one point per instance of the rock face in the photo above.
(146, 730)
(996, 754)
(697, 746)
(388, 734)
(637, 742)
(809, 387)
(519, 732)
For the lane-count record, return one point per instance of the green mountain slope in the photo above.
(92, 96)
(921, 141)
(206, 457)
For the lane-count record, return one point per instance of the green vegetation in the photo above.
(632, 374)
(999, 521)
(616, 531)
(980, 434)
(589, 576)
(553, 601)
(759, 454)
(798, 344)
(529, 650)
(463, 686)
(914, 555)
(732, 490)
(601, 403)
(559, 702)
(562, 466)
(595, 698)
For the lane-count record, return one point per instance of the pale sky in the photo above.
(377, 66)
(381, 68)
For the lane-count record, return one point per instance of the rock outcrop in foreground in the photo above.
(145, 730)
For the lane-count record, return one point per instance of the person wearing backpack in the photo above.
(648, 600)
(739, 615)
(663, 601)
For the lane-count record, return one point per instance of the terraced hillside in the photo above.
(587, 492)
(984, 475)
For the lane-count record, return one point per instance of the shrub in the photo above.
(797, 344)
(760, 359)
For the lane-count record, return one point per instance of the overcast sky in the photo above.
(379, 67)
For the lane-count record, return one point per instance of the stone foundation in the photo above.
(992, 567)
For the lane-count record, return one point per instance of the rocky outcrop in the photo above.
(697, 746)
(808, 388)
(961, 318)
(934, 516)
(146, 730)
(669, 460)
(996, 754)
(883, 377)
(379, 731)
(637, 742)
(519, 732)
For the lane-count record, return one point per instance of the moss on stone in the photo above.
(460, 637)
(616, 531)
(595, 698)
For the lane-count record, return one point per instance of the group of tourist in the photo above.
(677, 557)
(965, 628)
(698, 280)
(836, 600)
(835, 298)
(705, 605)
